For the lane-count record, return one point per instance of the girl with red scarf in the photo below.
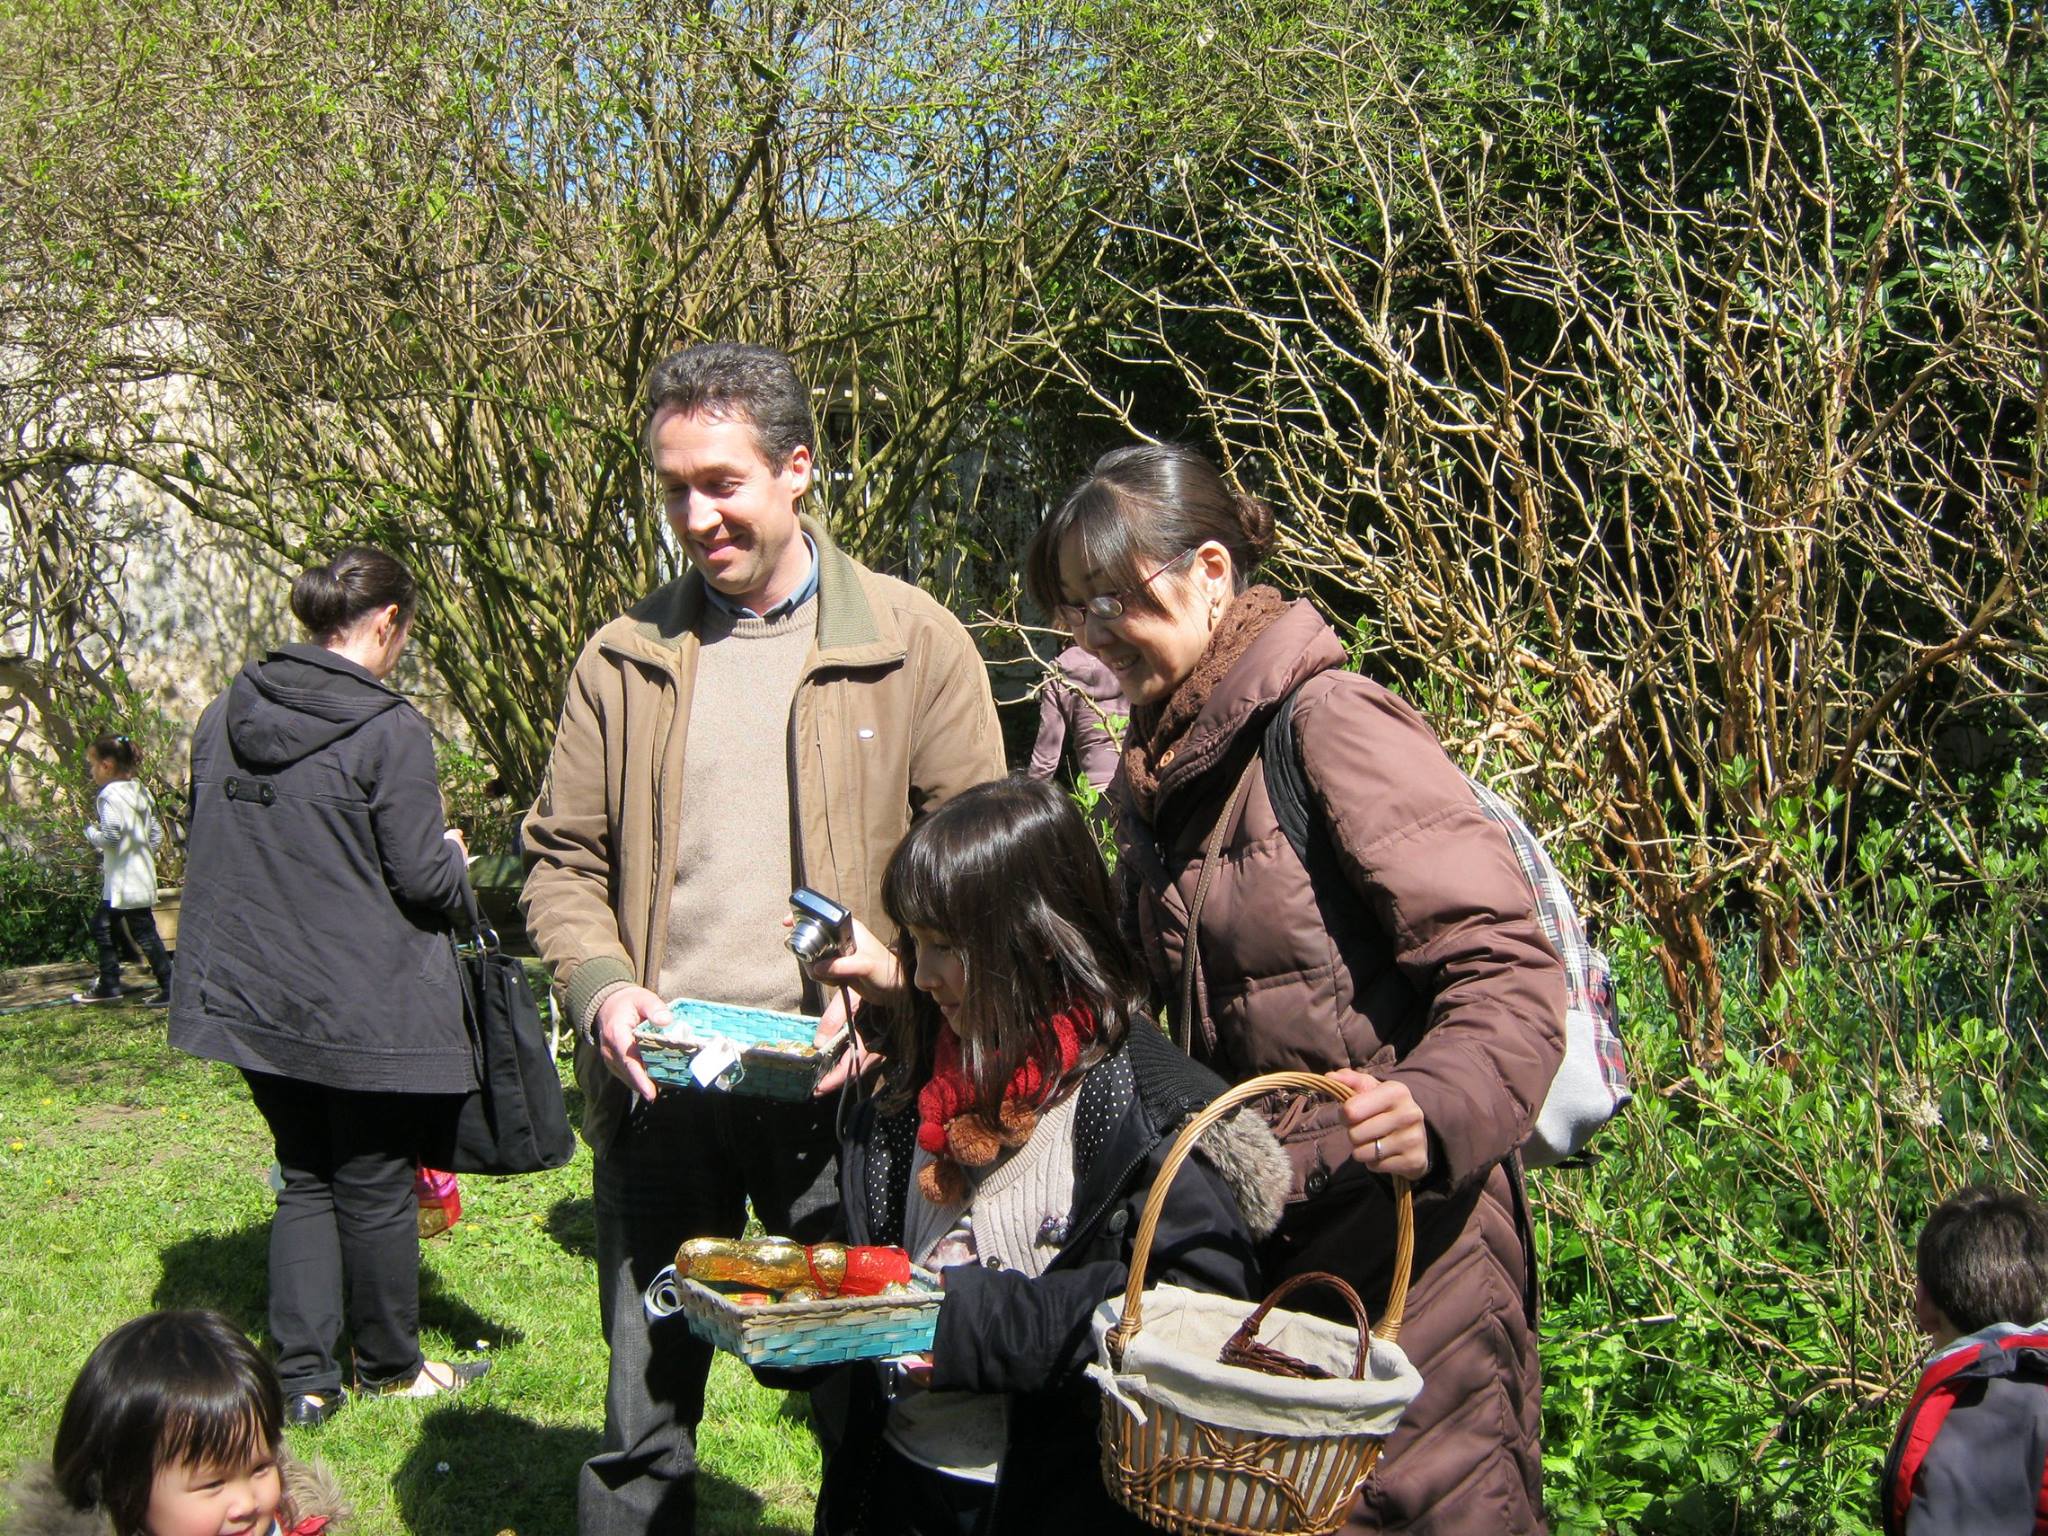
(1023, 1107)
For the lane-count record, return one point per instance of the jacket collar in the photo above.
(1983, 1349)
(851, 633)
(1294, 648)
(332, 661)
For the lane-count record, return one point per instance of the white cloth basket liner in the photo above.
(1173, 1361)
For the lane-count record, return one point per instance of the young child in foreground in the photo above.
(1971, 1453)
(1025, 1105)
(175, 1428)
(126, 832)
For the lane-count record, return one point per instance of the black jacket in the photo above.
(313, 939)
(999, 1331)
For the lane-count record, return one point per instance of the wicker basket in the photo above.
(778, 1062)
(793, 1334)
(1183, 1473)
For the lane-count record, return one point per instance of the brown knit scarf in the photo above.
(1156, 728)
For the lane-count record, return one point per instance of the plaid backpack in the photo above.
(1591, 1085)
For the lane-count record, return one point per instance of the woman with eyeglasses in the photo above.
(1405, 956)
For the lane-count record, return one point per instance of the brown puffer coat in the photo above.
(1429, 968)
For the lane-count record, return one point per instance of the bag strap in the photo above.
(1212, 853)
(481, 933)
(1286, 780)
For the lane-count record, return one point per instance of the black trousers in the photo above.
(684, 1166)
(913, 1500)
(140, 923)
(346, 1238)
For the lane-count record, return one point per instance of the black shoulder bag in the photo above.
(514, 1120)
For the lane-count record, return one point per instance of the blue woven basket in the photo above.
(800, 1333)
(779, 1061)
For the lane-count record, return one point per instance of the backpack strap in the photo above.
(1286, 780)
(1918, 1426)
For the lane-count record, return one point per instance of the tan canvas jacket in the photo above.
(892, 715)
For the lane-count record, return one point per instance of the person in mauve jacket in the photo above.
(1079, 703)
(314, 954)
(1409, 961)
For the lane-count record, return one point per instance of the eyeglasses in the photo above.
(1109, 606)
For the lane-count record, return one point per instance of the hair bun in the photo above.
(319, 600)
(358, 580)
(1256, 518)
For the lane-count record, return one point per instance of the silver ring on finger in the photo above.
(1376, 1154)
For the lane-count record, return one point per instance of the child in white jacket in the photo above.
(127, 835)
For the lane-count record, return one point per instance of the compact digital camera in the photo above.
(823, 929)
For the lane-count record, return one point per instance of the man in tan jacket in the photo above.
(777, 717)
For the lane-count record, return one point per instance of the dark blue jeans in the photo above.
(684, 1166)
(141, 925)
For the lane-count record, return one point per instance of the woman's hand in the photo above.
(871, 972)
(855, 1060)
(1385, 1124)
(870, 969)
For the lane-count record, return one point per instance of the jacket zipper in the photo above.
(663, 891)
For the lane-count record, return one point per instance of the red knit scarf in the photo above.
(959, 1134)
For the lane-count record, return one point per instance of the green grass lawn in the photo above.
(132, 1177)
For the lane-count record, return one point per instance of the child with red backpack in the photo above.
(1972, 1451)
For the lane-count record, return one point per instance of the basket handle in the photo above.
(1248, 1330)
(1183, 1144)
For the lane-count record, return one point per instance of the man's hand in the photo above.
(617, 1018)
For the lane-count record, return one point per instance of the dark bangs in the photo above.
(1008, 872)
(167, 1389)
(1115, 532)
(222, 1430)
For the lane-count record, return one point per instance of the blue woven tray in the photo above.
(800, 1333)
(779, 1061)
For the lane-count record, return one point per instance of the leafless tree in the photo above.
(1696, 517)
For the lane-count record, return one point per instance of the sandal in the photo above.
(435, 1378)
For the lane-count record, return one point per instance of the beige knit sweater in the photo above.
(733, 864)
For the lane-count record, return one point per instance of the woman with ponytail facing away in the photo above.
(314, 955)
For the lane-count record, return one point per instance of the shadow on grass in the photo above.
(507, 1472)
(502, 1472)
(229, 1272)
(572, 1223)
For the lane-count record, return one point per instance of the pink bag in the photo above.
(440, 1201)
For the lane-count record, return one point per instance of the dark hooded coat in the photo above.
(314, 935)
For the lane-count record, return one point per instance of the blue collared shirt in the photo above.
(806, 589)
